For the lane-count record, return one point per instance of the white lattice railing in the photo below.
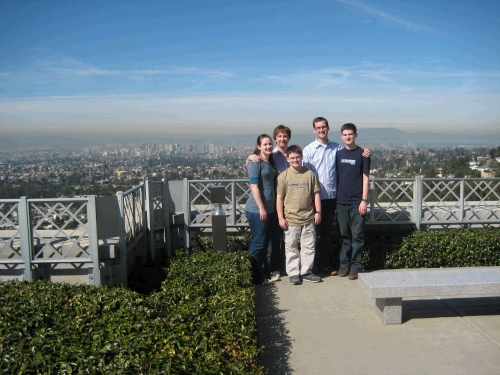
(48, 232)
(39, 235)
(419, 201)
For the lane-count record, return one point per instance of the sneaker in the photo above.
(329, 271)
(343, 272)
(295, 280)
(353, 275)
(275, 276)
(311, 277)
(266, 282)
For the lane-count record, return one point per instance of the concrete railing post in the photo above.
(25, 237)
(93, 240)
(123, 267)
(233, 203)
(187, 214)
(150, 222)
(372, 193)
(417, 202)
(462, 201)
(219, 226)
(166, 216)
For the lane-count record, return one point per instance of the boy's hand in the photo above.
(283, 223)
(362, 208)
(317, 218)
(366, 153)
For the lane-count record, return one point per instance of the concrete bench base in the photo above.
(389, 310)
(390, 287)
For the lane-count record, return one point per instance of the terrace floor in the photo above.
(331, 328)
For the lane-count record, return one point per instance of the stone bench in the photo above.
(390, 287)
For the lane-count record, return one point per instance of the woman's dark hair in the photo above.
(259, 142)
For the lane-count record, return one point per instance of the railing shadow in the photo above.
(273, 335)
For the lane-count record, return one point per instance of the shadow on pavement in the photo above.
(450, 307)
(273, 334)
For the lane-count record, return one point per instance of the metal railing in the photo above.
(62, 238)
(40, 238)
(132, 227)
(423, 202)
(39, 234)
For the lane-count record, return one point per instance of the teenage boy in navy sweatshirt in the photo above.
(353, 173)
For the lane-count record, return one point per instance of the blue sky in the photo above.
(231, 66)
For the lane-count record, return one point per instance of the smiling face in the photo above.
(295, 160)
(349, 137)
(321, 130)
(266, 147)
(282, 140)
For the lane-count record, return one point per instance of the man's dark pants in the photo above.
(324, 249)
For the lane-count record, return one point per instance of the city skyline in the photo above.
(233, 67)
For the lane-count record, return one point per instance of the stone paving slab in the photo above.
(330, 328)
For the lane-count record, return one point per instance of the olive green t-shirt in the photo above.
(297, 189)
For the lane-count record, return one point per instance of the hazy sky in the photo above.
(231, 66)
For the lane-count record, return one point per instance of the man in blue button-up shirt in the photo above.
(320, 157)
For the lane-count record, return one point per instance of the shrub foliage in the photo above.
(202, 321)
(430, 249)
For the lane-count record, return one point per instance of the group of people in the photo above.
(294, 196)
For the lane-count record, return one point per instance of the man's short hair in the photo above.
(282, 129)
(293, 149)
(348, 126)
(319, 119)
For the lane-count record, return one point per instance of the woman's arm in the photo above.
(258, 200)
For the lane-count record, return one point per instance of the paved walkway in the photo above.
(331, 328)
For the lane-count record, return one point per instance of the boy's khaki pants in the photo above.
(300, 262)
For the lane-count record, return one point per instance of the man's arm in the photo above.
(363, 206)
(317, 206)
(280, 211)
(366, 153)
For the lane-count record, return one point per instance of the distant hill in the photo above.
(13, 140)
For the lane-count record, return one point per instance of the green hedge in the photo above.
(202, 321)
(428, 249)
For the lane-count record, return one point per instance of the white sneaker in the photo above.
(275, 276)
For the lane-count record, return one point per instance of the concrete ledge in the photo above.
(389, 287)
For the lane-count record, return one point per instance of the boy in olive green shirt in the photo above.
(298, 204)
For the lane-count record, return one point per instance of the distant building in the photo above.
(200, 148)
(488, 174)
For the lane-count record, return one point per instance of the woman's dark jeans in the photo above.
(263, 232)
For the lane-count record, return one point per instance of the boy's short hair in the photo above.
(282, 129)
(319, 119)
(348, 126)
(294, 149)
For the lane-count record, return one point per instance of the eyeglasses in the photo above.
(321, 128)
